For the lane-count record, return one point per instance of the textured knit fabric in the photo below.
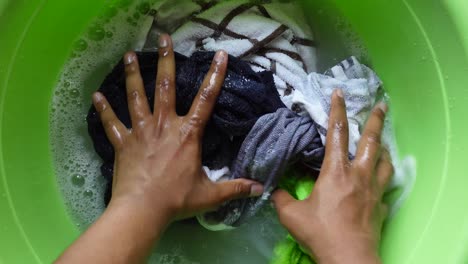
(269, 35)
(245, 97)
(359, 84)
(276, 140)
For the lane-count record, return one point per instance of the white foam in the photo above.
(76, 164)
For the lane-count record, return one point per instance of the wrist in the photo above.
(153, 213)
(340, 248)
(134, 221)
(141, 195)
(361, 254)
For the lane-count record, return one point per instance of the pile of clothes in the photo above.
(273, 110)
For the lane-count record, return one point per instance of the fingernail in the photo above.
(97, 97)
(339, 92)
(163, 41)
(129, 58)
(256, 190)
(383, 106)
(220, 57)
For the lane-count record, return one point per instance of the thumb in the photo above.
(281, 199)
(239, 188)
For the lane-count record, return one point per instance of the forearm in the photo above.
(125, 233)
(351, 258)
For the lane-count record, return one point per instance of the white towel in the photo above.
(359, 85)
(273, 36)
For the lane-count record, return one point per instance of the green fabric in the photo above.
(288, 251)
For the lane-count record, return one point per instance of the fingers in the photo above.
(115, 130)
(336, 149)
(236, 189)
(384, 170)
(205, 100)
(165, 93)
(137, 101)
(370, 143)
(281, 199)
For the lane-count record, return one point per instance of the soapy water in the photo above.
(77, 166)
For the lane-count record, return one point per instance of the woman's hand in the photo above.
(158, 174)
(159, 159)
(341, 221)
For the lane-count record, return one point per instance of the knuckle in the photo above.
(133, 94)
(340, 126)
(373, 137)
(195, 123)
(216, 68)
(241, 189)
(206, 94)
(130, 70)
(165, 82)
(165, 52)
(109, 123)
(335, 166)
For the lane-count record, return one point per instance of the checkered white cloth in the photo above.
(270, 35)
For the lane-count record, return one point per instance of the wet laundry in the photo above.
(284, 137)
(245, 97)
(277, 140)
(269, 35)
(359, 84)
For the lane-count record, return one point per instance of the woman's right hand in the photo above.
(341, 221)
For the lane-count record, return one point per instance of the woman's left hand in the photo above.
(159, 159)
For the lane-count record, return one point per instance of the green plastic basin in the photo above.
(418, 47)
